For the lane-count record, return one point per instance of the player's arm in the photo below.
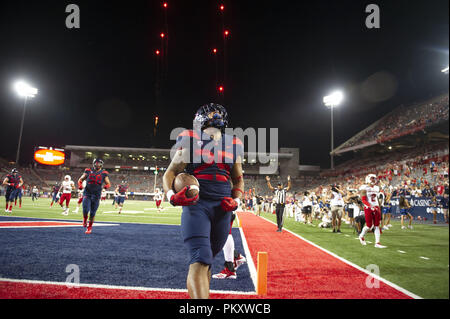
(107, 182)
(20, 183)
(81, 180)
(364, 199)
(268, 183)
(289, 183)
(6, 181)
(237, 180)
(176, 166)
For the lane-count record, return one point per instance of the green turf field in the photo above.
(416, 260)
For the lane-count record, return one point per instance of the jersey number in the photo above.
(93, 178)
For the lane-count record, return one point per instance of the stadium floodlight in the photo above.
(331, 101)
(334, 99)
(26, 91)
(445, 70)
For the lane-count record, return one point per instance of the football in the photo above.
(182, 180)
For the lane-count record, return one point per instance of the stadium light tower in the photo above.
(26, 91)
(331, 101)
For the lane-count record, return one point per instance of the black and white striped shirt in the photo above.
(280, 196)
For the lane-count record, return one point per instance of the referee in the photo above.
(280, 199)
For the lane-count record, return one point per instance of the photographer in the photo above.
(352, 204)
(337, 207)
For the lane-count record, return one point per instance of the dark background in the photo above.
(97, 83)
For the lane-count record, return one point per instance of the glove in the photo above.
(228, 204)
(180, 199)
(107, 186)
(80, 185)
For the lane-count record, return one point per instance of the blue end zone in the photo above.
(139, 255)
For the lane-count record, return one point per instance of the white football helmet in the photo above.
(67, 177)
(371, 179)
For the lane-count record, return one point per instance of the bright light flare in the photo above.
(334, 99)
(25, 90)
(445, 70)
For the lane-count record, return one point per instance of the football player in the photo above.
(66, 188)
(55, 194)
(214, 158)
(13, 182)
(404, 211)
(158, 197)
(121, 189)
(19, 195)
(233, 259)
(369, 196)
(95, 177)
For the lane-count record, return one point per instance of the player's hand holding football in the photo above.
(180, 198)
(228, 204)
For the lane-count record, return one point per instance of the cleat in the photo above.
(403, 227)
(362, 241)
(410, 227)
(239, 261)
(378, 245)
(385, 228)
(225, 274)
(88, 230)
(338, 231)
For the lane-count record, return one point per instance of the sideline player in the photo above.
(233, 259)
(404, 211)
(66, 188)
(34, 193)
(369, 197)
(94, 177)
(13, 182)
(215, 159)
(387, 209)
(158, 197)
(121, 189)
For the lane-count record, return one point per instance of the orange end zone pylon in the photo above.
(261, 283)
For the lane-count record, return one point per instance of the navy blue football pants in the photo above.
(90, 204)
(205, 228)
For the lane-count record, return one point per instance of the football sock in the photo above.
(228, 249)
(364, 231)
(377, 234)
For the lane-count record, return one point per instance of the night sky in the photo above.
(97, 83)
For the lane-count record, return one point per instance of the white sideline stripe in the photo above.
(72, 285)
(248, 256)
(75, 224)
(387, 282)
(426, 258)
(401, 251)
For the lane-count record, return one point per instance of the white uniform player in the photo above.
(66, 193)
(372, 212)
(158, 199)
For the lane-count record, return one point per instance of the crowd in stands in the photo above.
(420, 172)
(404, 120)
